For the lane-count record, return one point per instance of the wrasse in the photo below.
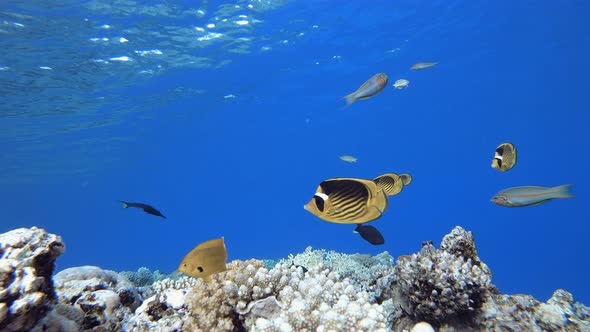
(530, 195)
(145, 207)
(370, 88)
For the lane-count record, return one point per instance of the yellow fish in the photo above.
(348, 201)
(505, 157)
(205, 259)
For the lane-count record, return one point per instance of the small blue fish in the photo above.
(530, 195)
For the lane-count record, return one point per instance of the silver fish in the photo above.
(401, 84)
(349, 159)
(530, 195)
(423, 65)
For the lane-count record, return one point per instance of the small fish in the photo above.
(348, 201)
(423, 65)
(505, 157)
(205, 260)
(299, 266)
(369, 233)
(348, 159)
(530, 195)
(391, 183)
(401, 84)
(147, 208)
(406, 178)
(370, 88)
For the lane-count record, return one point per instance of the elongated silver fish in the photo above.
(530, 195)
(423, 65)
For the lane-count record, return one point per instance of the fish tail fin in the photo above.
(356, 228)
(125, 204)
(387, 183)
(563, 191)
(350, 99)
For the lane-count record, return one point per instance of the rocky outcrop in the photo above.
(27, 261)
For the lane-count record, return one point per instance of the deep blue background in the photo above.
(244, 168)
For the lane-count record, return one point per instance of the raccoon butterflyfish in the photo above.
(505, 157)
(147, 208)
(391, 183)
(530, 195)
(370, 88)
(348, 201)
(423, 65)
(370, 234)
(406, 178)
(205, 259)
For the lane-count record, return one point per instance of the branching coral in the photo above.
(316, 300)
(357, 267)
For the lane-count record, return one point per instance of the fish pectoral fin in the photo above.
(378, 210)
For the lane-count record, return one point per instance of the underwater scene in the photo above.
(289, 165)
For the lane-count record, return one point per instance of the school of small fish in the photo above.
(357, 201)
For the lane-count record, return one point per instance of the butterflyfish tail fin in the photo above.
(390, 183)
(563, 191)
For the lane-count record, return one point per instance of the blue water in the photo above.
(230, 134)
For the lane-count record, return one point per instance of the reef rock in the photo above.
(525, 313)
(96, 299)
(27, 261)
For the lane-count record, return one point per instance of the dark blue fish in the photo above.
(370, 233)
(145, 207)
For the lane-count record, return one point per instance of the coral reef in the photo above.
(444, 289)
